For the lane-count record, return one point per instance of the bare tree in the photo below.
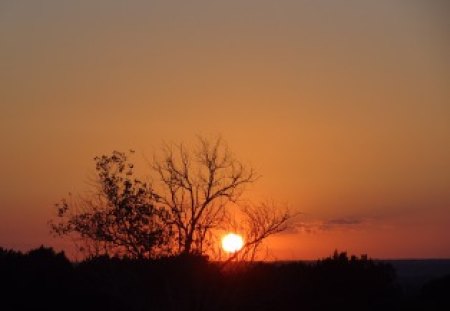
(120, 218)
(256, 223)
(196, 187)
(260, 222)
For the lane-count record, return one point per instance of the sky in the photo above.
(342, 106)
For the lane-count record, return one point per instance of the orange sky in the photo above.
(342, 106)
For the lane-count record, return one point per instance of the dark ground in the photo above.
(44, 280)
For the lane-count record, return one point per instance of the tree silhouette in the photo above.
(197, 187)
(192, 195)
(121, 217)
(259, 222)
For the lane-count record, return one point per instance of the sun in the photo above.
(232, 242)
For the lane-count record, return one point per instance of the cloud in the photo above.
(317, 225)
(379, 219)
(344, 222)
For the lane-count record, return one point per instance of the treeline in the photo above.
(44, 280)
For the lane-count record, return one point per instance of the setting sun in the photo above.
(232, 242)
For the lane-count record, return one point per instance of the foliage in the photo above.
(121, 217)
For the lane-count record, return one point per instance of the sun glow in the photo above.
(232, 242)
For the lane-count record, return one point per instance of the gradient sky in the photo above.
(342, 106)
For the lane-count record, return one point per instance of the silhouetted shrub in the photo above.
(40, 277)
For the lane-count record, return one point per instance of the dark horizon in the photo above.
(48, 280)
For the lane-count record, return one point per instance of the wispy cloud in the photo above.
(309, 225)
(344, 222)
